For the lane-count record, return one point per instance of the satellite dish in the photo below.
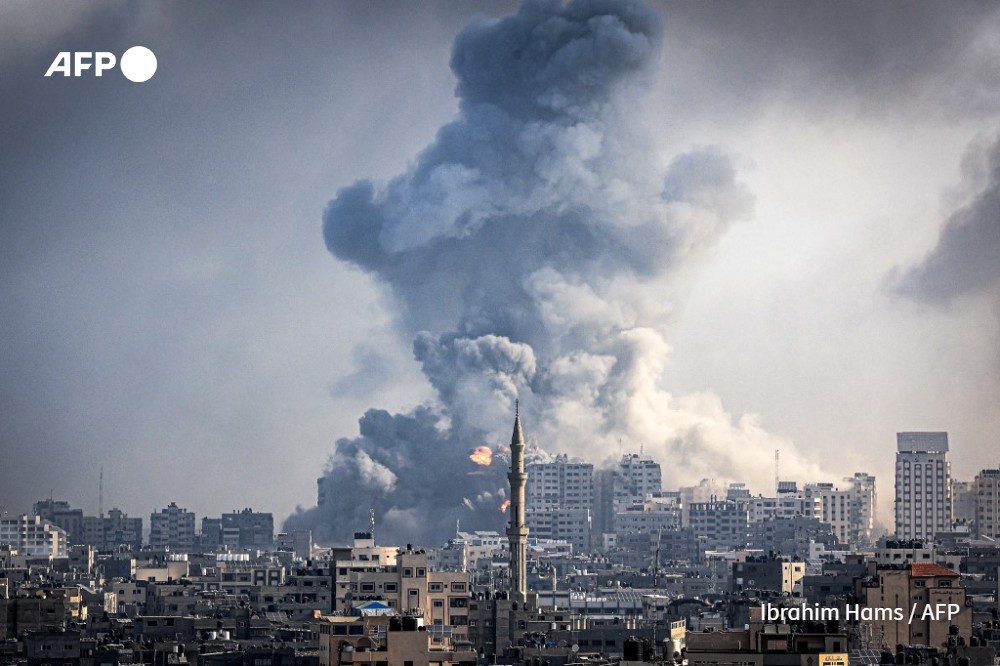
(575, 648)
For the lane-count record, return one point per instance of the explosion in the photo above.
(537, 249)
(482, 455)
(503, 507)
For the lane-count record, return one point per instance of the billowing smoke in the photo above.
(967, 256)
(537, 248)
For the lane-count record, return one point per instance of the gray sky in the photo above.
(168, 308)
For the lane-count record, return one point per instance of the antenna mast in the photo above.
(100, 495)
(777, 481)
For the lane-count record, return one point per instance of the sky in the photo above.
(707, 230)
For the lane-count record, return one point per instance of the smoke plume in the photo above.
(966, 259)
(536, 249)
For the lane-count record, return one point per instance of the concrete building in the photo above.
(864, 499)
(33, 536)
(635, 479)
(652, 517)
(765, 573)
(113, 531)
(238, 529)
(361, 557)
(849, 512)
(20, 614)
(439, 598)
(172, 528)
(719, 524)
(791, 536)
(60, 514)
(923, 485)
(559, 498)
(299, 542)
(963, 503)
(986, 495)
(916, 591)
(380, 641)
(783, 507)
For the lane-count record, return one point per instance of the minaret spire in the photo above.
(517, 532)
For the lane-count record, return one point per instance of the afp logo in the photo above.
(138, 64)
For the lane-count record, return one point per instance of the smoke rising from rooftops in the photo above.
(536, 249)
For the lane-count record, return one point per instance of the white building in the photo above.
(783, 507)
(923, 485)
(849, 512)
(33, 536)
(558, 500)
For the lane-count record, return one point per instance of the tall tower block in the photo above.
(517, 532)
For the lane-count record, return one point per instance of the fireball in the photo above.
(503, 507)
(482, 455)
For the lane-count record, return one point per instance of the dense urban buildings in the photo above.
(686, 571)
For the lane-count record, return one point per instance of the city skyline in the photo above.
(169, 310)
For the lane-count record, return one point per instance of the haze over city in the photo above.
(705, 231)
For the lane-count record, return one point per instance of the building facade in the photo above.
(559, 496)
(986, 493)
(923, 504)
(172, 528)
(33, 536)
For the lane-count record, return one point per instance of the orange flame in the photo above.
(503, 507)
(483, 455)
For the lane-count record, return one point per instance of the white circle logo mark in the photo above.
(138, 64)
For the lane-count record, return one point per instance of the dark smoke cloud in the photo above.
(530, 250)
(966, 259)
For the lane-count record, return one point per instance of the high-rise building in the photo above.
(923, 485)
(559, 496)
(863, 502)
(987, 496)
(173, 528)
(635, 479)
